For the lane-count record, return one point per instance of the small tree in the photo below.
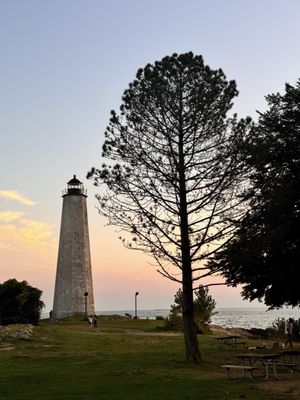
(19, 303)
(204, 306)
(171, 176)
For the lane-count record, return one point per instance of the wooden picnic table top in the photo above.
(290, 352)
(228, 337)
(259, 356)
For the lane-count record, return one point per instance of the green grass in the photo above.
(122, 359)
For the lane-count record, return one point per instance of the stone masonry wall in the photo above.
(74, 272)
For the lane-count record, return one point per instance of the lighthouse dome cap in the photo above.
(74, 181)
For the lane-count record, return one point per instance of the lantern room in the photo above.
(75, 187)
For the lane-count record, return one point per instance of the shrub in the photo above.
(19, 303)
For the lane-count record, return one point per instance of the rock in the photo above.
(221, 331)
(258, 332)
(20, 335)
(19, 331)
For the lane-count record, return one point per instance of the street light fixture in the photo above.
(85, 305)
(135, 305)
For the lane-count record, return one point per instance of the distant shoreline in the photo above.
(242, 317)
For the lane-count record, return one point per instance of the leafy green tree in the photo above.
(171, 176)
(204, 306)
(19, 303)
(264, 256)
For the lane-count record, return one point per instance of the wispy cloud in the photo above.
(36, 232)
(25, 235)
(23, 240)
(10, 216)
(16, 196)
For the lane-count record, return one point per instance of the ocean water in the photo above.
(227, 317)
(252, 317)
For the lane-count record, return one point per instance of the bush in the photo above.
(19, 303)
(174, 321)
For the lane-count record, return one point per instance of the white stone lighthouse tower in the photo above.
(74, 287)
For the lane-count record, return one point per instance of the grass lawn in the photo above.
(123, 359)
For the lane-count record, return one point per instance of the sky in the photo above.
(64, 66)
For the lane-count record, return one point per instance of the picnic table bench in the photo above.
(244, 368)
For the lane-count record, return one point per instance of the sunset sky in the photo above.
(64, 66)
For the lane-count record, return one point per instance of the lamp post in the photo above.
(85, 304)
(135, 305)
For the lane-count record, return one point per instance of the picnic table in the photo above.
(268, 361)
(229, 340)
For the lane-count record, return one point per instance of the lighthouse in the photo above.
(73, 293)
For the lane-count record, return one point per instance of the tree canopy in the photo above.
(19, 303)
(171, 177)
(264, 256)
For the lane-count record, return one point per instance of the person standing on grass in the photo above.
(289, 331)
(95, 321)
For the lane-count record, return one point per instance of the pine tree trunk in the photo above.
(190, 329)
(189, 326)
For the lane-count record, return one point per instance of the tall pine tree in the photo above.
(171, 177)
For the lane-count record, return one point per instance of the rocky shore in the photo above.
(243, 333)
